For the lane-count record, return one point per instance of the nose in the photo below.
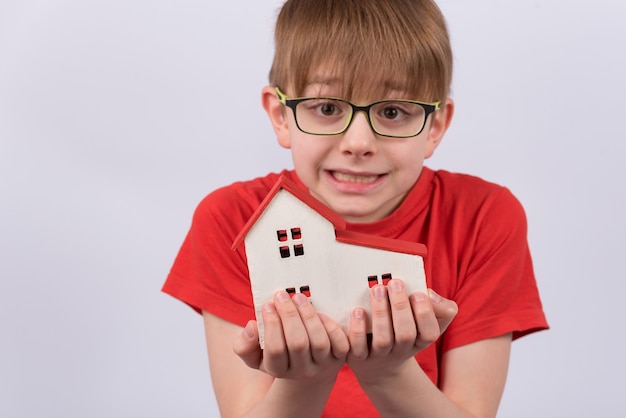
(359, 140)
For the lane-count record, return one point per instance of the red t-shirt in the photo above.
(478, 256)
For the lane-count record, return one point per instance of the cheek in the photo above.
(308, 148)
(305, 158)
(408, 166)
(410, 157)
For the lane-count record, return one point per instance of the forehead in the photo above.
(329, 80)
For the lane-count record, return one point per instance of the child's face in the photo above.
(358, 174)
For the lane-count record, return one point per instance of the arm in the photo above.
(295, 373)
(473, 376)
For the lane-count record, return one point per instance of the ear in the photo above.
(277, 114)
(438, 127)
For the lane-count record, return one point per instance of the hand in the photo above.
(299, 342)
(402, 326)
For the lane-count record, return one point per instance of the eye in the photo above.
(399, 112)
(325, 108)
(392, 112)
(328, 109)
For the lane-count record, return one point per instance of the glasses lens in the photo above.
(323, 116)
(397, 118)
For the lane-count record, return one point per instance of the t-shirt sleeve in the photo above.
(497, 291)
(207, 274)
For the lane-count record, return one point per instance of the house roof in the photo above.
(341, 234)
(289, 185)
(381, 243)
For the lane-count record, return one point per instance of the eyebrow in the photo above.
(332, 81)
(324, 79)
(315, 89)
(318, 83)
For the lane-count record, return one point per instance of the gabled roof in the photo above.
(341, 234)
(285, 183)
(381, 243)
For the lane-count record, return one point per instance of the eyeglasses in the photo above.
(331, 116)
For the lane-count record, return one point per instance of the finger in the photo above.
(294, 331)
(427, 325)
(382, 326)
(247, 347)
(445, 309)
(404, 327)
(275, 354)
(357, 335)
(339, 344)
(318, 339)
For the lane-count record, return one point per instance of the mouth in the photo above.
(355, 178)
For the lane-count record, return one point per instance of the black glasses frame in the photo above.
(292, 103)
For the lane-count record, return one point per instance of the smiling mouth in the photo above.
(352, 178)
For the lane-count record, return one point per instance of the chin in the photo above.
(356, 209)
(359, 215)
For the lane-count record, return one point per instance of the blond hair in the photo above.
(372, 46)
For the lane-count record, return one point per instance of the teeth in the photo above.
(354, 179)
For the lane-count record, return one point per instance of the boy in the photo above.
(392, 59)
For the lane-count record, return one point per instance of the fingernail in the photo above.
(269, 307)
(249, 329)
(395, 286)
(359, 314)
(419, 296)
(282, 295)
(299, 299)
(379, 292)
(434, 297)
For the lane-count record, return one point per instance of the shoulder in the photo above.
(460, 184)
(476, 209)
(467, 192)
(242, 193)
(232, 205)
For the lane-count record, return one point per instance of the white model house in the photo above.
(294, 242)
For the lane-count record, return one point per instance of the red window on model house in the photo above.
(295, 236)
(373, 279)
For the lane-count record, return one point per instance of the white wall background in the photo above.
(118, 116)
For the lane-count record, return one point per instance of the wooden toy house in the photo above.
(296, 243)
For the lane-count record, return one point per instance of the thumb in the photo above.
(247, 346)
(445, 309)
